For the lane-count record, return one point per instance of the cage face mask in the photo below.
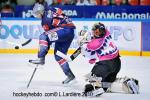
(38, 10)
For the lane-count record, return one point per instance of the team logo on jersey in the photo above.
(49, 14)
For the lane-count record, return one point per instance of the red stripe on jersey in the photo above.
(62, 61)
(44, 43)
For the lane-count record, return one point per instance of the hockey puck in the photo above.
(16, 47)
(30, 60)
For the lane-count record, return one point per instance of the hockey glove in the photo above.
(83, 37)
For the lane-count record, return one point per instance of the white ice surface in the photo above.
(15, 74)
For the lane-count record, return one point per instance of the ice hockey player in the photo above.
(102, 52)
(59, 29)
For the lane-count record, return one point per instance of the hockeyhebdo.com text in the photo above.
(49, 94)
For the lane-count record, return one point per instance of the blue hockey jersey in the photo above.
(54, 17)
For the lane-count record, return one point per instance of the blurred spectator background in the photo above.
(144, 2)
(54, 2)
(7, 7)
(43, 2)
(105, 2)
(133, 2)
(13, 3)
(86, 2)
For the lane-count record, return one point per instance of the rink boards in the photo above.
(128, 35)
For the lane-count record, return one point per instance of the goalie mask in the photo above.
(38, 10)
(101, 29)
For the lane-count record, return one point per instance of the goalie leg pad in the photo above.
(94, 88)
(92, 91)
(124, 85)
(92, 78)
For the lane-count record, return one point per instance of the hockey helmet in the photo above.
(101, 28)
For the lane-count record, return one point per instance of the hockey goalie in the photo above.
(104, 54)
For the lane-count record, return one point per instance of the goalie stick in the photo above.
(69, 58)
(75, 54)
(78, 51)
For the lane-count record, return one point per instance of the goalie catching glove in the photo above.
(83, 37)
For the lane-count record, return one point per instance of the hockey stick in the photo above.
(32, 76)
(23, 44)
(17, 45)
(83, 40)
(69, 58)
(75, 54)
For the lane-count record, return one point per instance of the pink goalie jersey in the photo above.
(101, 48)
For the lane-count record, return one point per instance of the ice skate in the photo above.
(39, 61)
(69, 79)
